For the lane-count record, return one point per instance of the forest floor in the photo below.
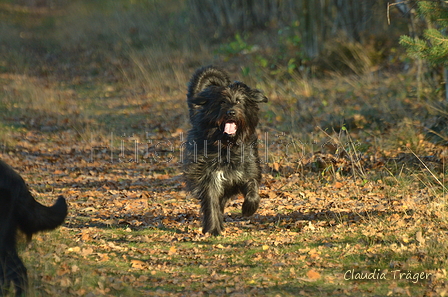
(353, 195)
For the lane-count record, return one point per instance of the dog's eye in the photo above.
(238, 101)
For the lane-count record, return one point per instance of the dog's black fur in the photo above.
(19, 210)
(222, 150)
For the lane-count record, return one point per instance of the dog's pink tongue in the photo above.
(230, 128)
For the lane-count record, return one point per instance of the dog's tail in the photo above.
(35, 217)
(203, 78)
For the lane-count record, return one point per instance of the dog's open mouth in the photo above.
(230, 127)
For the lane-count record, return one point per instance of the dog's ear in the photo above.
(257, 96)
(198, 100)
(205, 77)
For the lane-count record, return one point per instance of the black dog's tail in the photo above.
(203, 78)
(35, 217)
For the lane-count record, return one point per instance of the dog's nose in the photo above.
(231, 112)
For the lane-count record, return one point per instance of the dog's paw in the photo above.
(250, 207)
(213, 228)
(213, 232)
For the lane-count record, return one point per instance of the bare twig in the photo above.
(433, 175)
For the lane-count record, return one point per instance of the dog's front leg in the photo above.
(211, 209)
(251, 197)
(212, 221)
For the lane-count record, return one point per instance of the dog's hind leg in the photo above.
(11, 267)
(251, 198)
(13, 270)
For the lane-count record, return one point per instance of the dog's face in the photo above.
(221, 110)
(230, 112)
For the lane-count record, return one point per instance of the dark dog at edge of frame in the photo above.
(20, 211)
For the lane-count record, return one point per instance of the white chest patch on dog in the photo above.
(218, 181)
(220, 176)
(230, 128)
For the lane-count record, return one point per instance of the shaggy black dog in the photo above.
(222, 149)
(19, 210)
